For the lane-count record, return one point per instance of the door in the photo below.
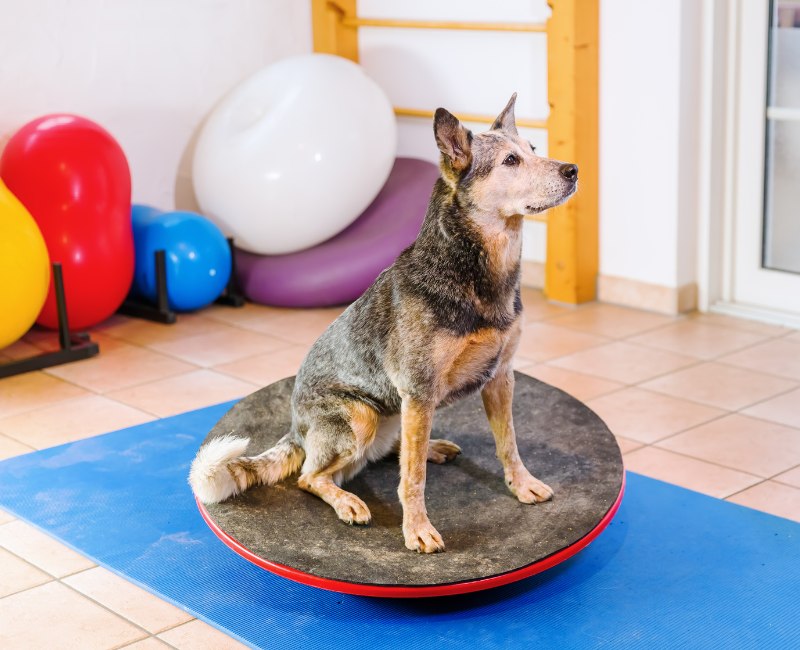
(764, 242)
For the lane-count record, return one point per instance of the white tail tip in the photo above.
(209, 476)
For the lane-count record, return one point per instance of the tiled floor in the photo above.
(707, 402)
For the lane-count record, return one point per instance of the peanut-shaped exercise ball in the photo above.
(73, 177)
(295, 154)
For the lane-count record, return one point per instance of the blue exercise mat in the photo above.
(675, 569)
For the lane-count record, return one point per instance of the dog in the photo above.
(441, 323)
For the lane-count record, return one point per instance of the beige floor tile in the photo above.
(46, 340)
(10, 448)
(143, 332)
(265, 369)
(742, 443)
(20, 350)
(777, 357)
(41, 550)
(794, 338)
(644, 416)
(54, 616)
(183, 393)
(208, 350)
(238, 315)
(107, 344)
(737, 323)
(298, 326)
(792, 477)
(697, 339)
(542, 342)
(518, 363)
(537, 307)
(626, 446)
(610, 321)
(774, 498)
(125, 368)
(128, 600)
(623, 362)
(720, 385)
(580, 386)
(199, 636)
(34, 390)
(70, 421)
(5, 517)
(784, 409)
(16, 574)
(148, 644)
(688, 472)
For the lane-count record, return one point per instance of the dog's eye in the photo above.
(511, 159)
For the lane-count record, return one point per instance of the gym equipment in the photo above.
(294, 154)
(73, 177)
(197, 257)
(340, 269)
(492, 539)
(73, 347)
(24, 268)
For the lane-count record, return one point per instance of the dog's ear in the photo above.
(505, 121)
(453, 140)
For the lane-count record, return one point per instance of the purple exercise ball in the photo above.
(342, 268)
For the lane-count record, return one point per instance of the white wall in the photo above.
(149, 71)
(649, 112)
(463, 71)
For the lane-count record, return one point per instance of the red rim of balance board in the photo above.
(387, 591)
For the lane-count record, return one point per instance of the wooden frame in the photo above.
(572, 52)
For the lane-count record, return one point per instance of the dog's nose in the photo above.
(569, 171)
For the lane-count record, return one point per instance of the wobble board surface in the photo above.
(486, 530)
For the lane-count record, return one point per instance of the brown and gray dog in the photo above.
(441, 323)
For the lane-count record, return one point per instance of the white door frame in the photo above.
(731, 279)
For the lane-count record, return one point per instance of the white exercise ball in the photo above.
(295, 154)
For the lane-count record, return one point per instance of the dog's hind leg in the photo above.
(336, 446)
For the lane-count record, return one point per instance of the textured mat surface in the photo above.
(675, 569)
(486, 530)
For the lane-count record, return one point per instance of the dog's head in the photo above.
(497, 170)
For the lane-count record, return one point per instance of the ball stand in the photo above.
(73, 347)
(160, 312)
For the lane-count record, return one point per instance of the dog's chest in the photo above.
(471, 360)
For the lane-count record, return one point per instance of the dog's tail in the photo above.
(221, 470)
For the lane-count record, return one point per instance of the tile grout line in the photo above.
(54, 578)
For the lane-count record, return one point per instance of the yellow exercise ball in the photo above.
(24, 268)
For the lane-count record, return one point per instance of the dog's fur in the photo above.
(441, 323)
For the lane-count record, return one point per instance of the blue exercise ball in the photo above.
(197, 254)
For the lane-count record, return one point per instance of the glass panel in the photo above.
(782, 178)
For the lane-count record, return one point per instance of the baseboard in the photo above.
(532, 274)
(651, 297)
(771, 316)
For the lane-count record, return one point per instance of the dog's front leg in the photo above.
(416, 419)
(497, 398)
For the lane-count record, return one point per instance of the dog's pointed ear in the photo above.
(505, 121)
(453, 140)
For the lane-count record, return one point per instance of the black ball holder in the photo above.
(491, 538)
(74, 347)
(160, 312)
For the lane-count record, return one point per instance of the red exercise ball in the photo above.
(73, 178)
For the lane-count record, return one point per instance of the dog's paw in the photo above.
(440, 451)
(423, 538)
(352, 510)
(529, 489)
